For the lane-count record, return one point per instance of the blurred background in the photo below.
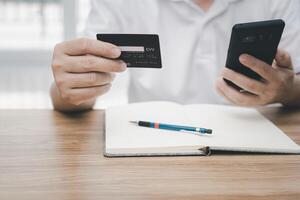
(29, 29)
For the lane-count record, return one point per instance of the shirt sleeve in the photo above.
(289, 11)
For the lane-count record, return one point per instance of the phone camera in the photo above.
(249, 39)
(271, 36)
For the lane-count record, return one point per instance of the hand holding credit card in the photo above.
(138, 50)
(83, 69)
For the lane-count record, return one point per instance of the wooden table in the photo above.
(49, 155)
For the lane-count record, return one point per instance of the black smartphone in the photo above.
(259, 39)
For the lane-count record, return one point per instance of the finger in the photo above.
(222, 93)
(91, 79)
(258, 66)
(283, 59)
(90, 63)
(238, 98)
(248, 84)
(80, 95)
(84, 46)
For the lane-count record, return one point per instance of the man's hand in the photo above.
(277, 84)
(83, 69)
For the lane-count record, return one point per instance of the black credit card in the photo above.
(138, 50)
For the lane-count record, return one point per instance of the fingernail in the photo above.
(116, 51)
(123, 65)
(220, 80)
(243, 58)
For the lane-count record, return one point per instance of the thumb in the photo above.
(283, 59)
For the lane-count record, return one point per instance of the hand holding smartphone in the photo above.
(259, 39)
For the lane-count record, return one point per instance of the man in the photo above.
(194, 37)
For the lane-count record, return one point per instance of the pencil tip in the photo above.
(133, 122)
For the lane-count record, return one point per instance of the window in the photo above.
(28, 32)
(38, 24)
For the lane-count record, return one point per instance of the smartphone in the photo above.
(259, 39)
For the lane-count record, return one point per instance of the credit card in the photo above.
(138, 50)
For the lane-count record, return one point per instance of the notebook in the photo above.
(234, 129)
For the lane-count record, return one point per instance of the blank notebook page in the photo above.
(234, 128)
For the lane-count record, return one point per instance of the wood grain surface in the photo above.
(49, 155)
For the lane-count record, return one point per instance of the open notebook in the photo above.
(234, 129)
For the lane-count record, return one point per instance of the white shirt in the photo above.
(193, 43)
